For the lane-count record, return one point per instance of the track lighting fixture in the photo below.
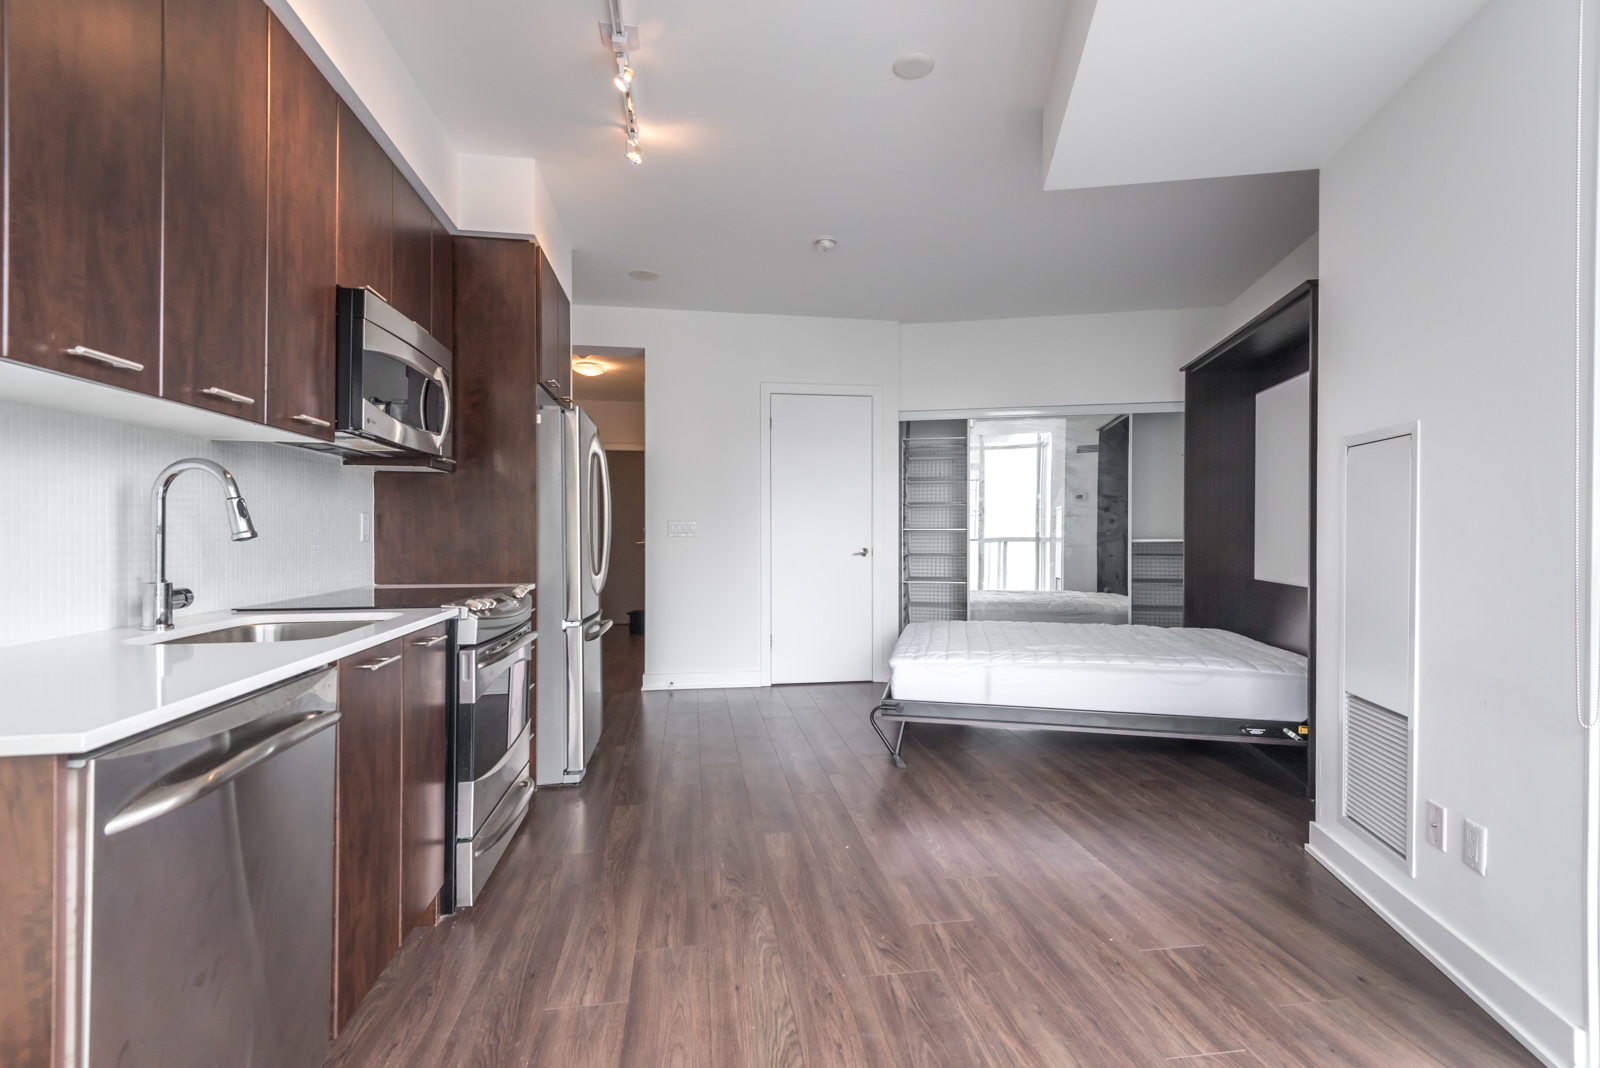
(624, 79)
(621, 39)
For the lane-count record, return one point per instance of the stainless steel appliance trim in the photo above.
(490, 839)
(313, 420)
(595, 629)
(227, 395)
(599, 574)
(573, 486)
(156, 803)
(575, 762)
(375, 338)
(376, 310)
(380, 663)
(315, 691)
(475, 674)
(474, 866)
(477, 798)
(106, 358)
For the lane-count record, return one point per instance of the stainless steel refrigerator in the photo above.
(574, 556)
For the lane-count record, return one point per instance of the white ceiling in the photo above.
(765, 125)
(1166, 90)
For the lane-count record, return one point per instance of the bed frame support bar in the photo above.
(1005, 717)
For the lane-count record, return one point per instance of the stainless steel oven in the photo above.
(393, 384)
(493, 731)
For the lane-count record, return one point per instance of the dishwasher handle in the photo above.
(153, 804)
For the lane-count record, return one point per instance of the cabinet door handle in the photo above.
(429, 643)
(105, 358)
(228, 394)
(313, 420)
(376, 664)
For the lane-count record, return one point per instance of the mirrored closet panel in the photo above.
(1065, 519)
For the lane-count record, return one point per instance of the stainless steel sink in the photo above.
(271, 632)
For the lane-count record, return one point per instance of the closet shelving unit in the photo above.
(1157, 590)
(933, 528)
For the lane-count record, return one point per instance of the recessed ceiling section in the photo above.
(1174, 90)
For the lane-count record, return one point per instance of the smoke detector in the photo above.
(643, 276)
(913, 65)
(824, 243)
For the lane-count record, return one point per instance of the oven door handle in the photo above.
(513, 813)
(476, 677)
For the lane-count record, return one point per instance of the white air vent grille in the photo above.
(1377, 772)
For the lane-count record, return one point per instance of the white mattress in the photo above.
(1099, 667)
(1048, 606)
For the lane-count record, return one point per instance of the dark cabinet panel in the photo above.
(367, 857)
(29, 822)
(214, 352)
(422, 830)
(302, 235)
(84, 117)
(413, 255)
(555, 329)
(366, 209)
(444, 286)
(478, 524)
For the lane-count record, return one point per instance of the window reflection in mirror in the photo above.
(1048, 519)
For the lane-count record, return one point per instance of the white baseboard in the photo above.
(1538, 1026)
(701, 680)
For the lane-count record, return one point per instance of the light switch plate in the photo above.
(679, 529)
(1438, 826)
(1475, 846)
(364, 527)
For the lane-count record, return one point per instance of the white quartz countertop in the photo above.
(75, 694)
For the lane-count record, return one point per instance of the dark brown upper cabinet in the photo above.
(366, 209)
(555, 330)
(413, 255)
(84, 115)
(214, 352)
(302, 239)
(444, 286)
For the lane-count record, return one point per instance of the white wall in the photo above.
(620, 424)
(75, 533)
(1155, 508)
(1115, 358)
(1447, 238)
(703, 433)
(1297, 267)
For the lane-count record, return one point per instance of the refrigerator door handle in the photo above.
(597, 461)
(596, 629)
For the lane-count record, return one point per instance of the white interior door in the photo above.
(821, 492)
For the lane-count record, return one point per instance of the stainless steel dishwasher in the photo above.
(200, 888)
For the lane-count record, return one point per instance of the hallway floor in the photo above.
(744, 880)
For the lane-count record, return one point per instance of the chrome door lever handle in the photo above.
(863, 552)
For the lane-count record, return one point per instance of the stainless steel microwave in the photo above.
(393, 389)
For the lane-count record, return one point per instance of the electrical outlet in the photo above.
(1475, 847)
(676, 529)
(364, 527)
(1438, 822)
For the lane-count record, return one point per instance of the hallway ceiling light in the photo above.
(643, 276)
(589, 368)
(913, 65)
(825, 243)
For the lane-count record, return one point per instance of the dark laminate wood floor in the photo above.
(743, 879)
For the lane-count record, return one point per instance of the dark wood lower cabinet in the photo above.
(29, 839)
(367, 853)
(422, 830)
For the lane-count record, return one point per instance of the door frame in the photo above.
(879, 603)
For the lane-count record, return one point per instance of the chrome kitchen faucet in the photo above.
(160, 599)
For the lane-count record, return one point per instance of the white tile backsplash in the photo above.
(75, 523)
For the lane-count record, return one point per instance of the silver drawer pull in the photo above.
(429, 643)
(376, 664)
(105, 358)
(313, 420)
(228, 394)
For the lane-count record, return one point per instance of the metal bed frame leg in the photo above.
(894, 748)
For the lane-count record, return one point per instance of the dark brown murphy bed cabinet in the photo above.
(1219, 584)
